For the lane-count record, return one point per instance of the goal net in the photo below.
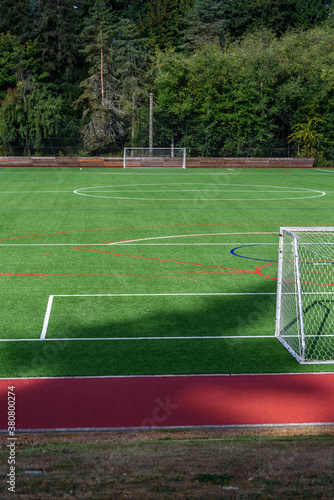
(305, 293)
(154, 157)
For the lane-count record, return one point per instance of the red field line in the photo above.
(87, 403)
(164, 260)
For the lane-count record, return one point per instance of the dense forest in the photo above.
(228, 77)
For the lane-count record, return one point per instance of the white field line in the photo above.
(153, 172)
(182, 294)
(222, 337)
(163, 294)
(257, 233)
(271, 374)
(324, 170)
(136, 240)
(51, 297)
(182, 236)
(90, 192)
(47, 317)
(187, 244)
(292, 190)
(229, 185)
(39, 192)
(126, 243)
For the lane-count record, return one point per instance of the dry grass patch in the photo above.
(186, 464)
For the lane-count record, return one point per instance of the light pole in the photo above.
(150, 134)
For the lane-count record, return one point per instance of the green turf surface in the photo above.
(149, 272)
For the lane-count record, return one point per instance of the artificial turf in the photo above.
(151, 271)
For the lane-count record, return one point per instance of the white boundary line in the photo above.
(160, 294)
(183, 236)
(39, 192)
(60, 430)
(265, 374)
(257, 233)
(129, 244)
(47, 317)
(85, 339)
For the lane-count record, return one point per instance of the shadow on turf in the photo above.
(176, 316)
(207, 316)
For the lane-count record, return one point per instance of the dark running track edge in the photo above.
(93, 403)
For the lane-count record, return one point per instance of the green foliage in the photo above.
(162, 20)
(57, 35)
(254, 71)
(224, 91)
(32, 112)
(204, 23)
(132, 61)
(17, 60)
(16, 17)
(260, 88)
(306, 136)
(310, 14)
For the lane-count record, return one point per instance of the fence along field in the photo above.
(112, 272)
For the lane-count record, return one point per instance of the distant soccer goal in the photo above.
(305, 293)
(154, 157)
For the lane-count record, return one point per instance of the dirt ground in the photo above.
(260, 463)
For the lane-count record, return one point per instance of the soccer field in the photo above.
(136, 272)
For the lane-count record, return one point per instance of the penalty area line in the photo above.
(51, 297)
(163, 294)
(85, 339)
(47, 317)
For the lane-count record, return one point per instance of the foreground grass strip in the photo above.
(271, 463)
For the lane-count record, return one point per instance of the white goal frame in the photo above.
(305, 293)
(154, 157)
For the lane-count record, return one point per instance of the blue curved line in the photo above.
(250, 258)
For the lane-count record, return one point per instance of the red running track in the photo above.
(93, 403)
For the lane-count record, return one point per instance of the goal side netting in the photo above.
(154, 157)
(305, 293)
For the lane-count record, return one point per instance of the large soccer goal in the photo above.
(305, 293)
(154, 157)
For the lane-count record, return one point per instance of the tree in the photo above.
(31, 112)
(205, 23)
(217, 92)
(17, 62)
(306, 136)
(131, 59)
(276, 15)
(28, 108)
(58, 39)
(100, 98)
(312, 13)
(13, 17)
(162, 20)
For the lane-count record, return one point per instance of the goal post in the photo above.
(305, 293)
(154, 157)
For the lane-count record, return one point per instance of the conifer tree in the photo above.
(100, 99)
(162, 21)
(57, 36)
(132, 60)
(204, 23)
